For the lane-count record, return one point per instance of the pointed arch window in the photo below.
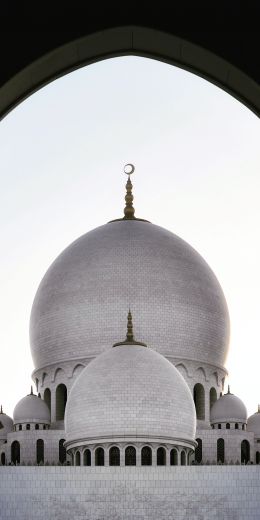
(198, 451)
(221, 450)
(174, 457)
(62, 451)
(146, 456)
(199, 400)
(99, 457)
(161, 456)
(77, 458)
(87, 458)
(114, 456)
(245, 452)
(130, 456)
(40, 451)
(15, 452)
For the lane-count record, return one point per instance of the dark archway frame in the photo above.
(125, 41)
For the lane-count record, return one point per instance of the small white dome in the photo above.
(228, 408)
(6, 425)
(130, 391)
(253, 423)
(31, 409)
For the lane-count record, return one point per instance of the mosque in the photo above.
(153, 397)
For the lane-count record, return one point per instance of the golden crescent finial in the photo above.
(129, 169)
(129, 210)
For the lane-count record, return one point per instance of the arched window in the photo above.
(77, 459)
(99, 457)
(47, 397)
(183, 458)
(3, 459)
(36, 426)
(161, 457)
(212, 396)
(114, 456)
(227, 426)
(130, 456)
(221, 450)
(20, 427)
(39, 451)
(173, 457)
(236, 426)
(61, 399)
(28, 426)
(219, 426)
(257, 457)
(245, 452)
(44, 426)
(146, 456)
(62, 451)
(15, 452)
(199, 400)
(243, 426)
(87, 458)
(198, 451)
(72, 459)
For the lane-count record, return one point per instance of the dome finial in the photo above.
(1, 410)
(129, 334)
(129, 340)
(129, 210)
(31, 390)
(258, 409)
(228, 389)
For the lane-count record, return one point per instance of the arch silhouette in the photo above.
(47, 397)
(146, 456)
(174, 457)
(99, 457)
(40, 451)
(15, 452)
(87, 458)
(101, 43)
(62, 451)
(61, 400)
(114, 456)
(199, 400)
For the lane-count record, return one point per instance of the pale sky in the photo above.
(196, 152)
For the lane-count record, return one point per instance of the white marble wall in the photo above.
(28, 442)
(179, 493)
(232, 439)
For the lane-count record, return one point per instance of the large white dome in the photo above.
(80, 306)
(130, 391)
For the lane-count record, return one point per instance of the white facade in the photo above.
(130, 405)
(194, 493)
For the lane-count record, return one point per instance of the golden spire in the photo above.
(129, 340)
(129, 210)
(129, 334)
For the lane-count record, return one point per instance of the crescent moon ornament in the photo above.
(129, 169)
